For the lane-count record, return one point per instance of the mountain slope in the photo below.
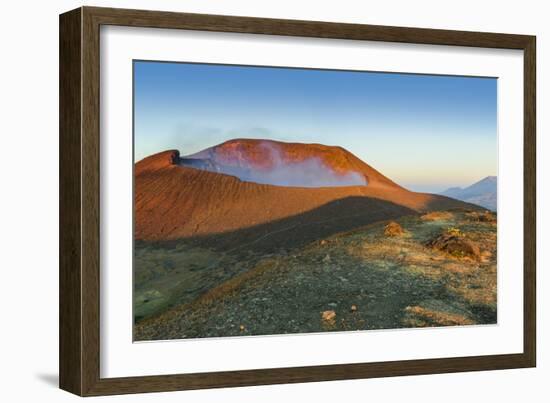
(287, 164)
(174, 200)
(369, 280)
(482, 193)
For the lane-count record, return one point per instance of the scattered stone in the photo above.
(326, 259)
(393, 229)
(328, 316)
(486, 216)
(332, 304)
(486, 256)
(443, 315)
(456, 245)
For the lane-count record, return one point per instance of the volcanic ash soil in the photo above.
(416, 271)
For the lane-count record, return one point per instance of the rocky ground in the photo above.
(438, 269)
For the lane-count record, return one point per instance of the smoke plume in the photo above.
(310, 172)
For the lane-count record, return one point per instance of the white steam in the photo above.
(311, 172)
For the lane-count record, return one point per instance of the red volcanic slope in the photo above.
(174, 201)
(264, 155)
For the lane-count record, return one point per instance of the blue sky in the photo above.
(425, 132)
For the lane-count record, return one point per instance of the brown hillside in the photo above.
(265, 155)
(174, 201)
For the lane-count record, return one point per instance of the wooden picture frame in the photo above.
(79, 346)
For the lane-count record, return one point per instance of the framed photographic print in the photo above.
(251, 201)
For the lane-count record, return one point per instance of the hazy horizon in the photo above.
(427, 133)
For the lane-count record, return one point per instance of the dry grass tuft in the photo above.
(438, 216)
(418, 316)
(393, 229)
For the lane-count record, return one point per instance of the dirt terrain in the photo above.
(367, 278)
(218, 255)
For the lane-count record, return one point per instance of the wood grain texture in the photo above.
(316, 29)
(80, 200)
(70, 273)
(530, 202)
(90, 201)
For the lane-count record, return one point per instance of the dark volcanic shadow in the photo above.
(298, 230)
(164, 277)
(289, 298)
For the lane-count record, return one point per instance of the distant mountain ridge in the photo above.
(482, 193)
